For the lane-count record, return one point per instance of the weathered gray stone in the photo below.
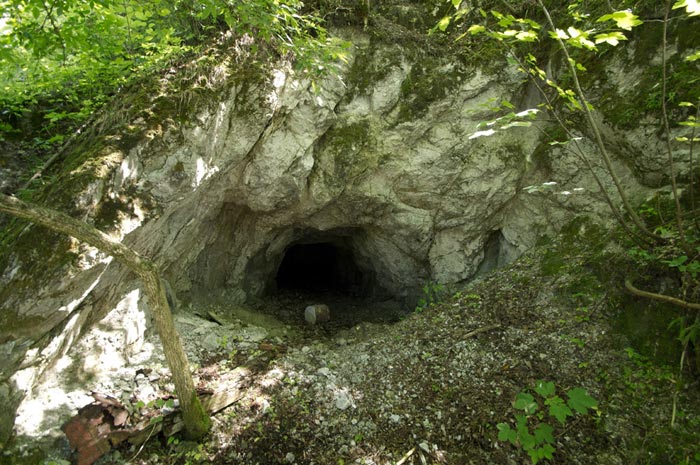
(319, 313)
(343, 400)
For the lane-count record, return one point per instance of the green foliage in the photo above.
(433, 293)
(516, 35)
(692, 7)
(508, 120)
(671, 259)
(533, 433)
(62, 60)
(189, 453)
(647, 377)
(664, 239)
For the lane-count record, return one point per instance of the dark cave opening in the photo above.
(321, 267)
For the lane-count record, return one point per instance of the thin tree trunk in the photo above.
(197, 421)
(667, 130)
(598, 138)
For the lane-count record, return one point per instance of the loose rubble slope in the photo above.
(432, 387)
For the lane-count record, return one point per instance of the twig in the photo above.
(150, 433)
(667, 131)
(406, 457)
(481, 330)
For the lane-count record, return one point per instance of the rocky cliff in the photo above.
(377, 161)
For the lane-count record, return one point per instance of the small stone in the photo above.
(253, 334)
(395, 418)
(290, 457)
(342, 400)
(211, 341)
(317, 314)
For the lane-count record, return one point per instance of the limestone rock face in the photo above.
(385, 172)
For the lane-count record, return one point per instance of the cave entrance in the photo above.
(321, 267)
(333, 270)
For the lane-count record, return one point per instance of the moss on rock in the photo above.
(430, 80)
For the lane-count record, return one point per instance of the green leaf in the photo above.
(692, 7)
(488, 132)
(685, 104)
(517, 124)
(543, 433)
(444, 23)
(525, 402)
(580, 401)
(678, 261)
(544, 388)
(526, 439)
(475, 29)
(456, 3)
(503, 20)
(693, 57)
(505, 433)
(526, 36)
(558, 34)
(624, 19)
(544, 452)
(573, 32)
(612, 38)
(558, 409)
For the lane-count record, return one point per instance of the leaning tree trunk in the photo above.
(197, 421)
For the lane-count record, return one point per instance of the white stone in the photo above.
(253, 334)
(318, 313)
(343, 400)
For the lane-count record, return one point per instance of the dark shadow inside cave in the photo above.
(335, 268)
(321, 267)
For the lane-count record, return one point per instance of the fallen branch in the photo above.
(660, 297)
(482, 330)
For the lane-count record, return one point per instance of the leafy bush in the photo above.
(60, 61)
(533, 433)
(433, 293)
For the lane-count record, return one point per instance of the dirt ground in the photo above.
(382, 386)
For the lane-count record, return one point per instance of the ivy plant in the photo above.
(534, 425)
